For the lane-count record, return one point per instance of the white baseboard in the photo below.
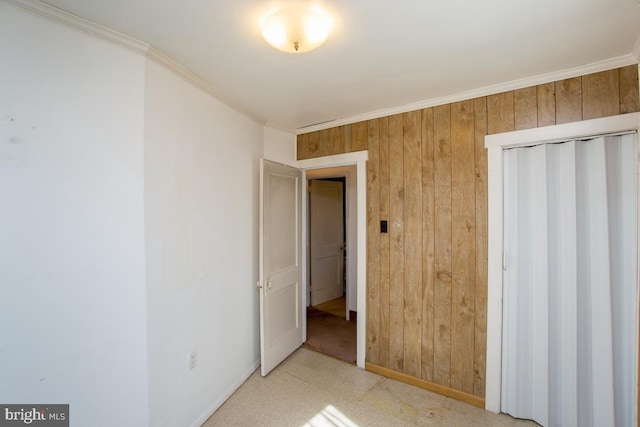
(227, 394)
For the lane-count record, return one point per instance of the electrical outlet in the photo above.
(193, 359)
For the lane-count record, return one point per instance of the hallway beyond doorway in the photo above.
(337, 307)
(328, 331)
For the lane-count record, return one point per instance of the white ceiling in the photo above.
(382, 54)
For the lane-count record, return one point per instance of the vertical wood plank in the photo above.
(336, 145)
(481, 215)
(314, 143)
(442, 295)
(358, 136)
(568, 100)
(346, 138)
(322, 142)
(546, 95)
(500, 113)
(396, 228)
(373, 245)
(629, 95)
(412, 243)
(302, 147)
(525, 102)
(452, 289)
(384, 243)
(428, 243)
(463, 200)
(601, 94)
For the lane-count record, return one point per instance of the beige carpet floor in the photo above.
(311, 389)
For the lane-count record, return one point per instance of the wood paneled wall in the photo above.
(427, 176)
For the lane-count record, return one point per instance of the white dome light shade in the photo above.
(296, 29)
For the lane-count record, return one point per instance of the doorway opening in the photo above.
(327, 242)
(355, 165)
(331, 292)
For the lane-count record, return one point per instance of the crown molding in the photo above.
(199, 82)
(280, 127)
(608, 64)
(62, 17)
(70, 20)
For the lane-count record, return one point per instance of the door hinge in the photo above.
(504, 261)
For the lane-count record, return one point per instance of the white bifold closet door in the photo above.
(570, 282)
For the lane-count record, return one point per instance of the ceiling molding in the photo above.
(608, 64)
(199, 82)
(60, 16)
(280, 127)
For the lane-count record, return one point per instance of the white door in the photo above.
(570, 282)
(280, 263)
(326, 221)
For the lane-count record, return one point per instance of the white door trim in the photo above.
(495, 144)
(359, 159)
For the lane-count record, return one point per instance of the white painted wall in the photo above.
(280, 146)
(72, 277)
(201, 170)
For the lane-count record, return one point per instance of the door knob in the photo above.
(268, 285)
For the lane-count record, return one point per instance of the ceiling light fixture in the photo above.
(297, 29)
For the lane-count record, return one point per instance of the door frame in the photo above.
(495, 144)
(359, 159)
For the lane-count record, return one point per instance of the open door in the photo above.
(280, 263)
(326, 221)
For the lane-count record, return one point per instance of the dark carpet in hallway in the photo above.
(331, 335)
